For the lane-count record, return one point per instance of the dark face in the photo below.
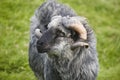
(45, 42)
(54, 40)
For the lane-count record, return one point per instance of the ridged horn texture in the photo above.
(75, 24)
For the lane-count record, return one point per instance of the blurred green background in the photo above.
(103, 16)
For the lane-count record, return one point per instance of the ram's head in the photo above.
(63, 35)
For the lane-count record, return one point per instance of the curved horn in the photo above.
(79, 44)
(38, 34)
(76, 25)
(80, 29)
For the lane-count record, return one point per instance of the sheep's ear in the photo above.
(38, 34)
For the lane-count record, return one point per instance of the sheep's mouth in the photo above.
(44, 50)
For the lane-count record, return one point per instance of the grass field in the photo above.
(103, 16)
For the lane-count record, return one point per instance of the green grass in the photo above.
(103, 16)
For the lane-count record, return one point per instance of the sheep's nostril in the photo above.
(42, 47)
(42, 43)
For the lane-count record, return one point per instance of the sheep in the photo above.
(58, 51)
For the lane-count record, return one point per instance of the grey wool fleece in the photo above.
(60, 62)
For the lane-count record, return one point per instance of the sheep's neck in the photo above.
(68, 68)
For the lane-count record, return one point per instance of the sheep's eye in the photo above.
(61, 34)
